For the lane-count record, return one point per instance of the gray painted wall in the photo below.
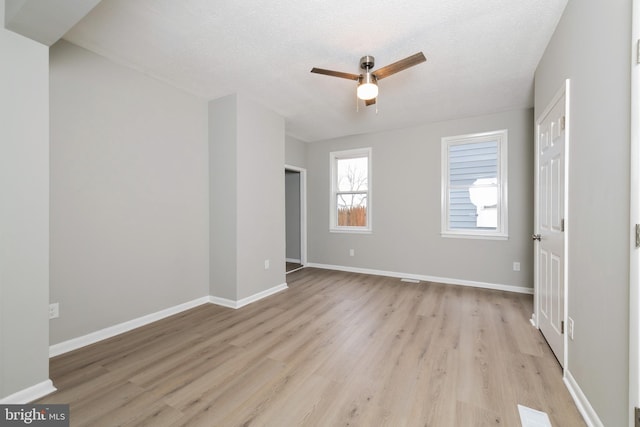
(598, 221)
(129, 183)
(247, 197)
(406, 205)
(24, 212)
(260, 197)
(292, 213)
(295, 152)
(223, 204)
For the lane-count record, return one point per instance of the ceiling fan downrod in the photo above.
(367, 62)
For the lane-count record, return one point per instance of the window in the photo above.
(351, 190)
(474, 185)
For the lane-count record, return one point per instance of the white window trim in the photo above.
(502, 233)
(345, 154)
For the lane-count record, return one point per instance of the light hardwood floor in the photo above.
(334, 349)
(292, 266)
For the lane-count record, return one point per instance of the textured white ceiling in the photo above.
(481, 55)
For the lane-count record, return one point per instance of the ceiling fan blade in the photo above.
(340, 74)
(370, 101)
(403, 64)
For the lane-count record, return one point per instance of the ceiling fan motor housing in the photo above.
(367, 62)
(367, 78)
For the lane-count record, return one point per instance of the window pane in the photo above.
(352, 174)
(473, 181)
(350, 191)
(474, 207)
(352, 210)
(462, 213)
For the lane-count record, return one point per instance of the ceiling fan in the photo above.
(368, 80)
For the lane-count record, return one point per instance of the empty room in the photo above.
(220, 213)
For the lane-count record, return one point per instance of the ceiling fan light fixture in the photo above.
(368, 87)
(368, 81)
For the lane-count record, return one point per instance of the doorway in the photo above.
(295, 218)
(552, 130)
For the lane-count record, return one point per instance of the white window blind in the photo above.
(473, 174)
(474, 185)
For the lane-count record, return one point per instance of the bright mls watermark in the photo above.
(34, 415)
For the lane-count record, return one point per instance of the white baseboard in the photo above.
(423, 278)
(120, 328)
(263, 294)
(94, 337)
(586, 410)
(29, 394)
(224, 302)
(297, 261)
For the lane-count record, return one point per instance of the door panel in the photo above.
(543, 208)
(555, 296)
(543, 287)
(556, 194)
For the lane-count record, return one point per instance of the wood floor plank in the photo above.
(432, 403)
(335, 348)
(215, 404)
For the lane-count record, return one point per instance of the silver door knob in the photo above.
(536, 237)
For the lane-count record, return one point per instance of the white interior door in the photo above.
(634, 274)
(549, 234)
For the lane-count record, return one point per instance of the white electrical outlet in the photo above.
(516, 266)
(570, 328)
(266, 264)
(352, 252)
(54, 310)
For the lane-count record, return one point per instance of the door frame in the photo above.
(303, 211)
(634, 216)
(565, 91)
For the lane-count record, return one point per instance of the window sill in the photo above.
(475, 236)
(351, 230)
